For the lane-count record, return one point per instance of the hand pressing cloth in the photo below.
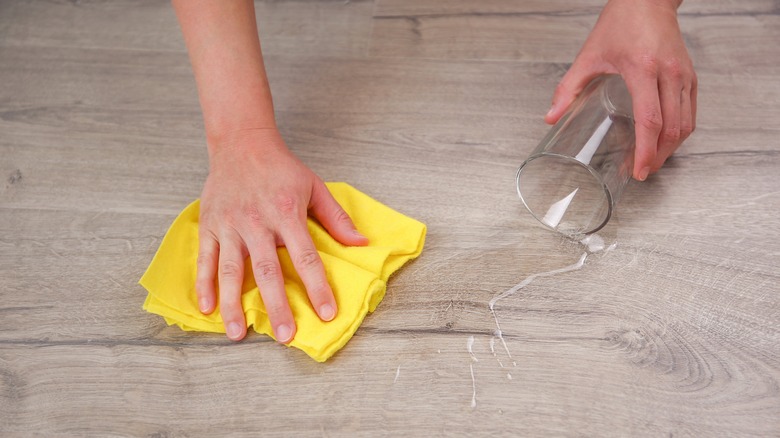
(357, 275)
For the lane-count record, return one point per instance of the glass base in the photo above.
(564, 194)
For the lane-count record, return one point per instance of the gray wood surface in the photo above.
(429, 107)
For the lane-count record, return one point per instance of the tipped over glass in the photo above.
(573, 180)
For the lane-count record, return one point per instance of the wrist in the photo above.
(228, 110)
(231, 112)
(238, 139)
(671, 5)
(227, 131)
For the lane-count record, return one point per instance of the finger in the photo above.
(581, 72)
(670, 90)
(270, 282)
(694, 94)
(336, 221)
(231, 279)
(643, 86)
(686, 114)
(208, 256)
(309, 266)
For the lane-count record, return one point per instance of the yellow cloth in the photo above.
(357, 275)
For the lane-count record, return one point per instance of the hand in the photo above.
(641, 41)
(256, 198)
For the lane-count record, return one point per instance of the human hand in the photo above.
(641, 41)
(256, 198)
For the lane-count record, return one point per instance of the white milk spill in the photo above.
(473, 388)
(593, 244)
(469, 346)
(499, 334)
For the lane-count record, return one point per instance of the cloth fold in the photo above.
(357, 275)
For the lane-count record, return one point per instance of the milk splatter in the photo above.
(469, 346)
(499, 334)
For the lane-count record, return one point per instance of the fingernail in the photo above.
(327, 312)
(234, 331)
(359, 234)
(549, 113)
(203, 303)
(283, 333)
(643, 173)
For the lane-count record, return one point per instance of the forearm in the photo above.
(225, 53)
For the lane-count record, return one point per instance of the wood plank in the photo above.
(139, 25)
(407, 8)
(396, 8)
(733, 43)
(315, 28)
(554, 31)
(678, 385)
(534, 37)
(331, 27)
(486, 115)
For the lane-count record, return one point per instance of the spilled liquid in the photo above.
(498, 333)
(592, 244)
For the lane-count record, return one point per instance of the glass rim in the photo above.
(569, 160)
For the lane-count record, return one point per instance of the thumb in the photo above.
(326, 209)
(574, 81)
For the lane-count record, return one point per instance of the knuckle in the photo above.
(217, 213)
(651, 119)
(647, 63)
(276, 310)
(689, 74)
(674, 68)
(205, 214)
(227, 221)
(341, 216)
(230, 269)
(205, 222)
(230, 303)
(286, 205)
(204, 285)
(287, 211)
(253, 214)
(307, 258)
(686, 129)
(265, 270)
(318, 293)
(670, 134)
(205, 260)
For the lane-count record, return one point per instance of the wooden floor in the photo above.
(428, 106)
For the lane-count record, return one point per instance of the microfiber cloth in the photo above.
(357, 274)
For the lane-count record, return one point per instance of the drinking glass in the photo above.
(573, 180)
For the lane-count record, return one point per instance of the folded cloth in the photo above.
(358, 275)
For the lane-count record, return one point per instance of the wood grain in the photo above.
(559, 7)
(721, 36)
(674, 331)
(302, 26)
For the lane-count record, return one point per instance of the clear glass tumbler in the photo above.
(573, 179)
